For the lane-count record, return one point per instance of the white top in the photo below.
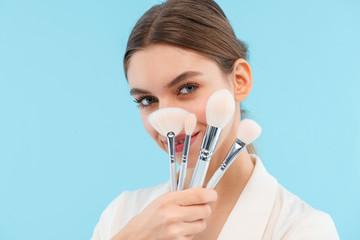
(264, 210)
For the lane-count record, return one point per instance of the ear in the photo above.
(241, 79)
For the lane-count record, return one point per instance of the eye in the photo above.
(145, 101)
(188, 88)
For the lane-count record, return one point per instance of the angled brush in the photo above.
(248, 131)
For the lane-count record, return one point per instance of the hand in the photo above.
(174, 215)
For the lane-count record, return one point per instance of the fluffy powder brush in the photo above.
(189, 126)
(220, 109)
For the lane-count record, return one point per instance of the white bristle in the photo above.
(248, 131)
(190, 123)
(167, 120)
(220, 108)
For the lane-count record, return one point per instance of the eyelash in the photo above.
(187, 85)
(141, 98)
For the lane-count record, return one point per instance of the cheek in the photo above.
(199, 109)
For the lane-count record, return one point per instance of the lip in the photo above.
(180, 146)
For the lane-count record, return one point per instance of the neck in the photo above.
(235, 178)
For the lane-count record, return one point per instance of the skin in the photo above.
(153, 76)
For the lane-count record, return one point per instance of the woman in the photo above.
(178, 54)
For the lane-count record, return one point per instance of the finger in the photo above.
(189, 237)
(196, 196)
(195, 212)
(195, 227)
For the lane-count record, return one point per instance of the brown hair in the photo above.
(199, 25)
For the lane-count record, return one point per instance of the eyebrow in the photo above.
(182, 77)
(136, 91)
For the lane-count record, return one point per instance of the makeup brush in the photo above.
(220, 109)
(169, 122)
(248, 131)
(189, 126)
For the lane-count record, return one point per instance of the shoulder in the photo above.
(313, 225)
(124, 207)
(295, 219)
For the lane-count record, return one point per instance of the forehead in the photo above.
(160, 63)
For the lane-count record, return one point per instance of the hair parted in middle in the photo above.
(198, 25)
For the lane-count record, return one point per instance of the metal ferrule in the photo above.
(234, 151)
(186, 148)
(210, 139)
(171, 146)
(172, 161)
(183, 166)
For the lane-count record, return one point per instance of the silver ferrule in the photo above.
(172, 161)
(186, 147)
(183, 166)
(210, 139)
(234, 151)
(171, 145)
(208, 145)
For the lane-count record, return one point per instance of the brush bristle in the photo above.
(190, 123)
(220, 108)
(248, 131)
(167, 120)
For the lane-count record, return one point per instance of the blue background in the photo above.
(71, 138)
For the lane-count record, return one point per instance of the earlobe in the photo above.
(242, 79)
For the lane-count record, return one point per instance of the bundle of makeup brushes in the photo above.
(220, 109)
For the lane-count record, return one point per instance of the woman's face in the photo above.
(162, 76)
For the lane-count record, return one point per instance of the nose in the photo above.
(166, 103)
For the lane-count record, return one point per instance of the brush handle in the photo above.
(172, 161)
(210, 139)
(184, 160)
(215, 179)
(234, 151)
(199, 174)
